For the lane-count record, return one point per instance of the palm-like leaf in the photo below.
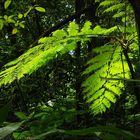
(49, 48)
(101, 92)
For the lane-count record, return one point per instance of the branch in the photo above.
(122, 79)
(61, 24)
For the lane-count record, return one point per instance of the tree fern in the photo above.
(49, 48)
(108, 2)
(116, 8)
(118, 15)
(99, 91)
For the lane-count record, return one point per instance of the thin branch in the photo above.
(122, 79)
(61, 24)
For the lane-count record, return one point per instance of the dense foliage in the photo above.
(69, 76)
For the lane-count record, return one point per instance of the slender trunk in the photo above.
(135, 86)
(136, 7)
(36, 19)
(89, 15)
(79, 4)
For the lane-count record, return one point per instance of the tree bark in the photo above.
(89, 15)
(136, 7)
(79, 4)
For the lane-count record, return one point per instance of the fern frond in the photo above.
(48, 48)
(108, 2)
(119, 14)
(101, 93)
(114, 7)
(98, 30)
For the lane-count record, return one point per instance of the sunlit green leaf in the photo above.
(40, 9)
(21, 24)
(7, 3)
(20, 16)
(1, 24)
(4, 131)
(14, 31)
(21, 115)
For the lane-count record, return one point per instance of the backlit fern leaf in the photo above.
(60, 43)
(108, 2)
(114, 7)
(48, 49)
(118, 15)
(101, 92)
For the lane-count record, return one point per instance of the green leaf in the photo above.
(26, 13)
(86, 28)
(40, 9)
(38, 56)
(73, 29)
(98, 30)
(7, 3)
(14, 31)
(20, 16)
(51, 132)
(60, 34)
(1, 24)
(99, 93)
(120, 14)
(100, 132)
(21, 135)
(10, 19)
(114, 7)
(5, 131)
(6, 17)
(111, 97)
(50, 48)
(21, 24)
(21, 115)
(107, 3)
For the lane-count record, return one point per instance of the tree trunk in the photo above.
(89, 15)
(79, 4)
(136, 7)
